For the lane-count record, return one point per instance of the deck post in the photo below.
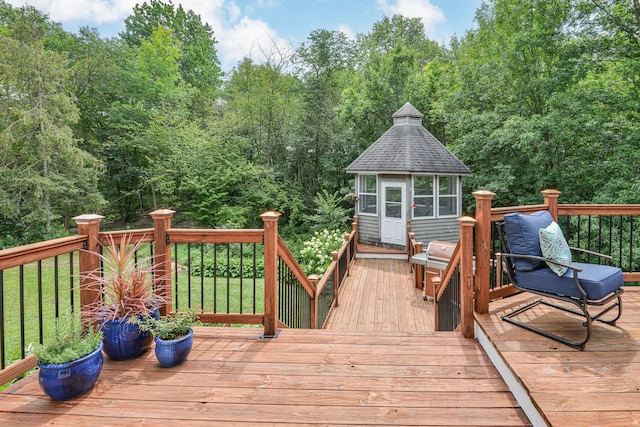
(88, 260)
(313, 278)
(336, 276)
(483, 249)
(270, 322)
(551, 201)
(162, 257)
(354, 226)
(419, 269)
(466, 275)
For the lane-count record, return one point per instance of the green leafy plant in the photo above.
(168, 327)
(315, 255)
(124, 285)
(72, 339)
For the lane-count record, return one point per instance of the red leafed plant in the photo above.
(124, 285)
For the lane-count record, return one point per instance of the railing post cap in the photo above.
(87, 218)
(313, 277)
(551, 192)
(272, 215)
(467, 220)
(162, 212)
(484, 194)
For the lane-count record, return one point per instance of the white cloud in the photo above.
(432, 16)
(238, 36)
(347, 30)
(93, 11)
(250, 38)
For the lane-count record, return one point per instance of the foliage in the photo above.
(124, 284)
(315, 255)
(329, 213)
(169, 327)
(71, 340)
(216, 268)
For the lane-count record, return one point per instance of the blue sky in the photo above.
(264, 29)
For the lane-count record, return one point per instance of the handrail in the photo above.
(285, 254)
(26, 254)
(451, 268)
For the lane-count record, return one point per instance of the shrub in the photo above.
(315, 256)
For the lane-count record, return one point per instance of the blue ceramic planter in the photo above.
(124, 340)
(172, 353)
(64, 381)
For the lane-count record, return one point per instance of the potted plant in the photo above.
(71, 360)
(125, 290)
(173, 336)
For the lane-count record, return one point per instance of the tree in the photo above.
(45, 175)
(198, 62)
(323, 150)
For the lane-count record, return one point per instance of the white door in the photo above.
(393, 228)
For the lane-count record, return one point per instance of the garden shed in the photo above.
(408, 175)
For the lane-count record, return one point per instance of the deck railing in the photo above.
(609, 229)
(453, 298)
(228, 277)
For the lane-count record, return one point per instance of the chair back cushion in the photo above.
(523, 237)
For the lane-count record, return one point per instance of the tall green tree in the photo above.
(323, 149)
(389, 55)
(198, 62)
(45, 176)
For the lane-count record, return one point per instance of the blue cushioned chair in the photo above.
(583, 285)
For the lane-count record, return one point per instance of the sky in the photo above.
(261, 28)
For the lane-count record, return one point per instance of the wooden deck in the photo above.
(394, 371)
(598, 386)
(303, 377)
(380, 295)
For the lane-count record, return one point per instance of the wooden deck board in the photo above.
(380, 295)
(303, 377)
(597, 386)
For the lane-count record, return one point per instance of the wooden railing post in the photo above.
(270, 323)
(354, 225)
(483, 249)
(313, 278)
(466, 276)
(419, 269)
(162, 256)
(336, 276)
(551, 201)
(88, 260)
(348, 252)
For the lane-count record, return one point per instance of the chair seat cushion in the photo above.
(598, 281)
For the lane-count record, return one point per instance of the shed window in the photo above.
(368, 194)
(435, 196)
(423, 197)
(448, 196)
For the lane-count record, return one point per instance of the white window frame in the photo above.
(363, 194)
(432, 196)
(437, 197)
(454, 196)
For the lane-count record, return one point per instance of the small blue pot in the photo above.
(172, 353)
(123, 340)
(64, 381)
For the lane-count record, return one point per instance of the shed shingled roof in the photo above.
(407, 147)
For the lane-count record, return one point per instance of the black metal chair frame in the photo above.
(582, 303)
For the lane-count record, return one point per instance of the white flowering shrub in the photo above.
(315, 255)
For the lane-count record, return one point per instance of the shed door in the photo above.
(394, 225)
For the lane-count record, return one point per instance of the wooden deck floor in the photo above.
(303, 377)
(598, 386)
(380, 295)
(392, 372)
